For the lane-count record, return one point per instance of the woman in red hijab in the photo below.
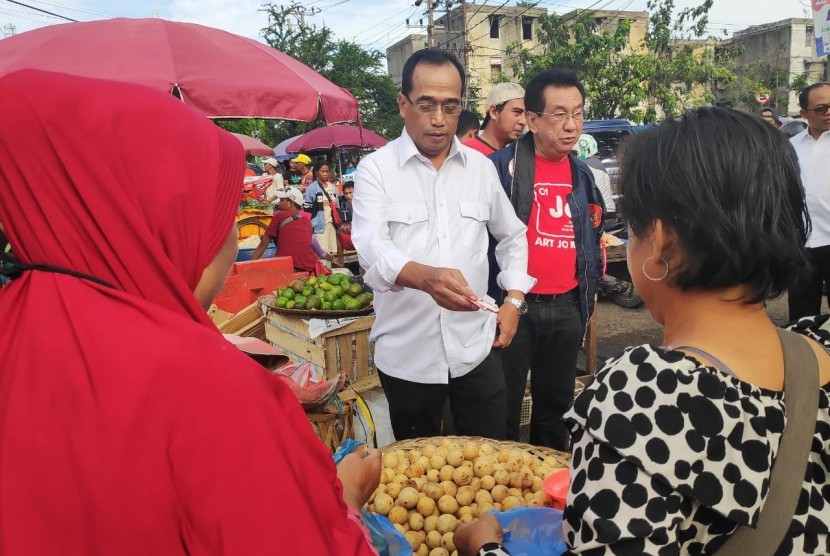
(128, 425)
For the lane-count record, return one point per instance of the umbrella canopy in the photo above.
(336, 136)
(221, 74)
(280, 152)
(253, 146)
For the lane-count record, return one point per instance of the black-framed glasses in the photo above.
(429, 108)
(560, 116)
(820, 110)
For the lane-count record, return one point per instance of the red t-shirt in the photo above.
(480, 145)
(293, 240)
(550, 230)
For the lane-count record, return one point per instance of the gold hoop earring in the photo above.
(653, 279)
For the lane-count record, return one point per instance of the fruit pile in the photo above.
(336, 292)
(428, 492)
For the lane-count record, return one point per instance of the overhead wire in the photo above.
(72, 8)
(47, 12)
(366, 30)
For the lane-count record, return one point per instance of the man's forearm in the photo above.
(260, 249)
(414, 275)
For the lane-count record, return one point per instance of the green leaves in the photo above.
(665, 73)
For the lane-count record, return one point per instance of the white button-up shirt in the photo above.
(813, 157)
(406, 210)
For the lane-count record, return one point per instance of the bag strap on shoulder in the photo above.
(801, 393)
(292, 218)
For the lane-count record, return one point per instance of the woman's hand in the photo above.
(470, 537)
(360, 474)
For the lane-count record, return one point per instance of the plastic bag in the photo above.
(532, 531)
(387, 540)
(309, 385)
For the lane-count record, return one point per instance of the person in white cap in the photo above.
(505, 120)
(277, 184)
(291, 232)
(586, 150)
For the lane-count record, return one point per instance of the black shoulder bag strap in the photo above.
(801, 392)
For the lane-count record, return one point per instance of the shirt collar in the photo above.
(805, 135)
(407, 150)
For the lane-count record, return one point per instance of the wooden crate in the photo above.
(345, 349)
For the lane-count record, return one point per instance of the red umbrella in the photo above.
(336, 137)
(254, 146)
(221, 74)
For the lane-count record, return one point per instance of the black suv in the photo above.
(609, 134)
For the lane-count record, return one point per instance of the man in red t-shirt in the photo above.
(290, 231)
(505, 119)
(554, 193)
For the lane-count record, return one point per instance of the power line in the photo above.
(42, 11)
(73, 8)
(320, 9)
(383, 21)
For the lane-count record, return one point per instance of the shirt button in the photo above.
(440, 204)
(444, 236)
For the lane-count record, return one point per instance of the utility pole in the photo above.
(466, 47)
(8, 30)
(302, 12)
(430, 26)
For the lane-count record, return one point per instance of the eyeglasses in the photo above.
(429, 108)
(820, 110)
(560, 117)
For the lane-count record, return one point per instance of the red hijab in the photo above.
(128, 425)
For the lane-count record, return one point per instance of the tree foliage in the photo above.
(670, 70)
(754, 79)
(345, 63)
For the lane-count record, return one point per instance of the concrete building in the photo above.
(483, 38)
(787, 45)
(609, 20)
(397, 54)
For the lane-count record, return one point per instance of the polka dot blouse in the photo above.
(670, 456)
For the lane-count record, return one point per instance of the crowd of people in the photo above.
(484, 258)
(312, 193)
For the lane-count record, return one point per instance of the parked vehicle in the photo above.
(609, 134)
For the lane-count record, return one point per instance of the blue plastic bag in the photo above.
(532, 531)
(395, 543)
(387, 540)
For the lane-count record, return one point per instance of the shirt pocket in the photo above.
(474, 217)
(409, 226)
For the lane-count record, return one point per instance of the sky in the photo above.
(372, 23)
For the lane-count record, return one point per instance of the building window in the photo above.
(527, 28)
(495, 68)
(495, 20)
(808, 37)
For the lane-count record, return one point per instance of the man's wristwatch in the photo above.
(519, 304)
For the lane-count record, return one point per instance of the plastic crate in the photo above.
(344, 349)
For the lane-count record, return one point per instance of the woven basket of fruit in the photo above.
(429, 486)
(336, 295)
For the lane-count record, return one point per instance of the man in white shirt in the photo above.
(423, 205)
(813, 149)
(271, 167)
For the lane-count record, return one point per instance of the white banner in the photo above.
(821, 26)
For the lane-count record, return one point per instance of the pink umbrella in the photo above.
(254, 146)
(336, 137)
(219, 73)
